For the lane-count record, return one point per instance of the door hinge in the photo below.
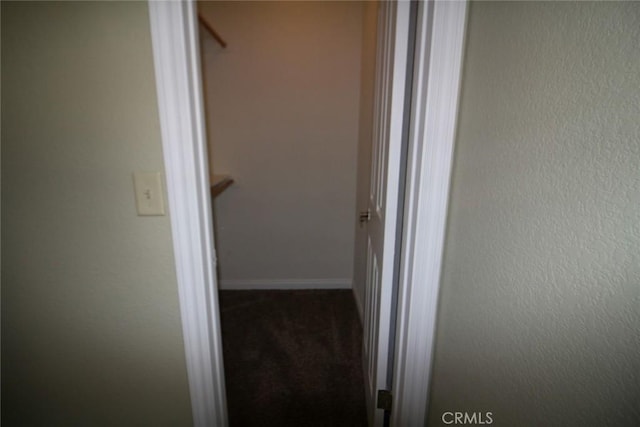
(365, 216)
(384, 400)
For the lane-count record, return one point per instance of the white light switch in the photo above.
(148, 188)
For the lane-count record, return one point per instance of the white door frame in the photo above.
(434, 110)
(174, 34)
(438, 63)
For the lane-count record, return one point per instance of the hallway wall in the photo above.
(282, 115)
(540, 301)
(91, 331)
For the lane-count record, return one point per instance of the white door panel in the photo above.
(391, 61)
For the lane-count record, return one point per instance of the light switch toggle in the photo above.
(148, 189)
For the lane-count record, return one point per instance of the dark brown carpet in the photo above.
(292, 358)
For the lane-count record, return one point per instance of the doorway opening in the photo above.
(439, 39)
(289, 114)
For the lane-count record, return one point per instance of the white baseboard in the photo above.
(285, 284)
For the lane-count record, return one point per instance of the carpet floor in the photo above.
(292, 358)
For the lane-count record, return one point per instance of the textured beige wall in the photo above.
(90, 319)
(367, 87)
(282, 107)
(0, 207)
(540, 301)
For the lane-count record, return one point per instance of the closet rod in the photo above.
(212, 31)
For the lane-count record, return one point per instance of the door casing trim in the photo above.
(174, 35)
(436, 89)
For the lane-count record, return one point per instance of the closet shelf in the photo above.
(219, 184)
(213, 32)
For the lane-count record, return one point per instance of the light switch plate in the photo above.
(148, 189)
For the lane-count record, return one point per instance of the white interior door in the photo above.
(389, 102)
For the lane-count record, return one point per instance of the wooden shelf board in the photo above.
(219, 184)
